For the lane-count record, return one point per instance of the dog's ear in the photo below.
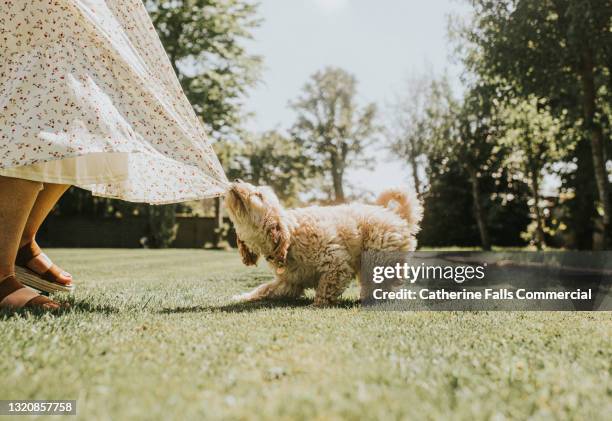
(248, 256)
(279, 234)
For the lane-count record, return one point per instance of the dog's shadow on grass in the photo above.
(253, 306)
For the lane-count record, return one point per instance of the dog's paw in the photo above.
(322, 303)
(240, 298)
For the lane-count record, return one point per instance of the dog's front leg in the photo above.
(273, 289)
(332, 284)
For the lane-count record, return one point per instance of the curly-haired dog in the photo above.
(319, 246)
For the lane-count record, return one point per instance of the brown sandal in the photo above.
(47, 281)
(13, 296)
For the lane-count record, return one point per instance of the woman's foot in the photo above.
(13, 296)
(30, 256)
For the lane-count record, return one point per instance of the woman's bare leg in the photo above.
(46, 200)
(17, 198)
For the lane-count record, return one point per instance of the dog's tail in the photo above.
(404, 203)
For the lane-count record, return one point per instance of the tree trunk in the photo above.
(582, 208)
(337, 179)
(415, 175)
(540, 239)
(479, 214)
(597, 139)
(338, 187)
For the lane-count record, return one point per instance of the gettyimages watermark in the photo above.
(451, 280)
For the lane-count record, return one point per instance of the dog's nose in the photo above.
(238, 180)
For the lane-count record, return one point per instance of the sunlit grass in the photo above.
(153, 335)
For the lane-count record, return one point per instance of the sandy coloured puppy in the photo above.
(318, 246)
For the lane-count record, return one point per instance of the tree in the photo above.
(277, 161)
(409, 131)
(533, 137)
(204, 40)
(474, 150)
(162, 226)
(445, 225)
(578, 187)
(450, 220)
(555, 49)
(465, 134)
(331, 127)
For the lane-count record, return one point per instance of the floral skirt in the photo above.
(89, 97)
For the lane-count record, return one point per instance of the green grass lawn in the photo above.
(153, 334)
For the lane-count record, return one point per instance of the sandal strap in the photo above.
(9, 285)
(52, 274)
(14, 295)
(41, 301)
(19, 299)
(32, 250)
(26, 253)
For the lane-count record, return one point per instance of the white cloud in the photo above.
(331, 6)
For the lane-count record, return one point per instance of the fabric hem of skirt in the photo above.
(118, 179)
(65, 180)
(156, 203)
(90, 186)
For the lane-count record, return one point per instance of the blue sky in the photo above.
(382, 42)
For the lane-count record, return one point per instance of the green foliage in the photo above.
(445, 225)
(578, 214)
(279, 162)
(474, 137)
(450, 218)
(465, 165)
(162, 226)
(460, 131)
(534, 140)
(559, 51)
(532, 135)
(204, 40)
(331, 128)
(541, 45)
(466, 136)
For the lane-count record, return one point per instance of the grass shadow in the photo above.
(258, 305)
(8, 314)
(87, 307)
(73, 307)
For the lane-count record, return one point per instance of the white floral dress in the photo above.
(88, 97)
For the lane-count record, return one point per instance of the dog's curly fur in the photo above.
(317, 247)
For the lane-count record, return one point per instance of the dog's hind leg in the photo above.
(273, 289)
(332, 284)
